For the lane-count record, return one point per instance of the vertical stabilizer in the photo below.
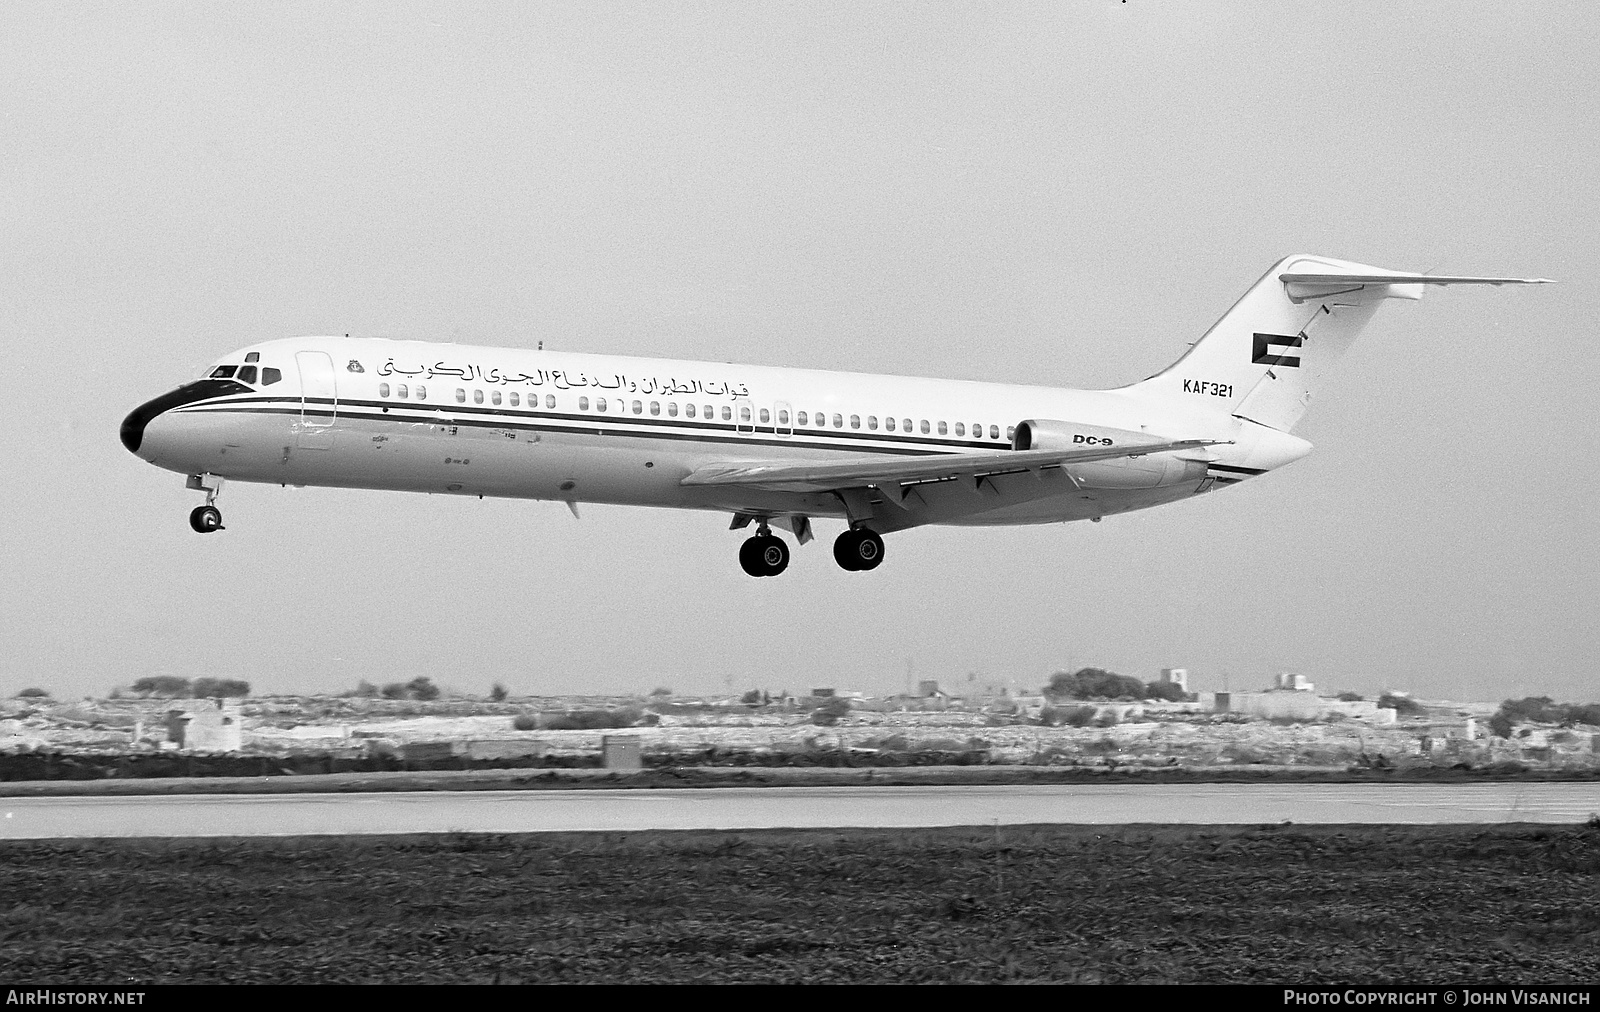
(1269, 354)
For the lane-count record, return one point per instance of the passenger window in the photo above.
(855, 421)
(744, 414)
(494, 398)
(223, 371)
(514, 400)
(247, 374)
(783, 418)
(994, 432)
(765, 416)
(254, 356)
(905, 423)
(943, 429)
(924, 426)
(422, 392)
(638, 407)
(599, 403)
(802, 419)
(688, 410)
(672, 409)
(888, 424)
(270, 375)
(383, 389)
(550, 401)
(977, 430)
(477, 396)
(961, 428)
(838, 421)
(400, 391)
(655, 407)
(1011, 432)
(583, 404)
(872, 421)
(461, 396)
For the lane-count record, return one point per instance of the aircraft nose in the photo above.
(133, 425)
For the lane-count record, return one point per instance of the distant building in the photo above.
(821, 693)
(206, 726)
(1294, 683)
(928, 687)
(1176, 676)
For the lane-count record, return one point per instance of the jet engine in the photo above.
(1147, 471)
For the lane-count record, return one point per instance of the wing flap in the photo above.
(827, 475)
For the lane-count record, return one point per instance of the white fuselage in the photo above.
(479, 421)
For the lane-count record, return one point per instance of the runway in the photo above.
(553, 811)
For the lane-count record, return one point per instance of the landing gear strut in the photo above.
(207, 518)
(858, 549)
(765, 554)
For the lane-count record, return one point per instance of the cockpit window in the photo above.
(247, 374)
(223, 371)
(254, 356)
(270, 375)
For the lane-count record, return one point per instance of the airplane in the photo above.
(773, 447)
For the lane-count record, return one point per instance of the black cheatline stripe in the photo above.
(719, 437)
(646, 428)
(1236, 469)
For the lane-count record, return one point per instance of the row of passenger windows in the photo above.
(710, 412)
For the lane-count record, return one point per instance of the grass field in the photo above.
(1411, 905)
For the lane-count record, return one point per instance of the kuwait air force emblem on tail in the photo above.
(1272, 350)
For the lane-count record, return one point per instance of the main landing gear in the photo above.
(765, 554)
(207, 518)
(858, 549)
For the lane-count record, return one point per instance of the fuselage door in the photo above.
(744, 415)
(319, 399)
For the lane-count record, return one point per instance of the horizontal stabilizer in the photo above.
(827, 475)
(1404, 279)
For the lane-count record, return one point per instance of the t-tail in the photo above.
(1268, 355)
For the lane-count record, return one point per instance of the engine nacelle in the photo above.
(1148, 471)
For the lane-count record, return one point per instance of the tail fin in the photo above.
(1267, 356)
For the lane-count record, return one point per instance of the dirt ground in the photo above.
(1410, 905)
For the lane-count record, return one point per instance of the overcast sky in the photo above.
(1061, 193)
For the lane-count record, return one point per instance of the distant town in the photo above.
(1090, 717)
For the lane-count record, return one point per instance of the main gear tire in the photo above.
(858, 549)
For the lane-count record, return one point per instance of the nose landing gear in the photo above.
(858, 549)
(207, 518)
(765, 554)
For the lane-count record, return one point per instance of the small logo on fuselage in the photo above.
(1262, 350)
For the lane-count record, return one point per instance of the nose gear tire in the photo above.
(205, 519)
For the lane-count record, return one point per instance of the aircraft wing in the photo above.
(857, 471)
(1404, 279)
